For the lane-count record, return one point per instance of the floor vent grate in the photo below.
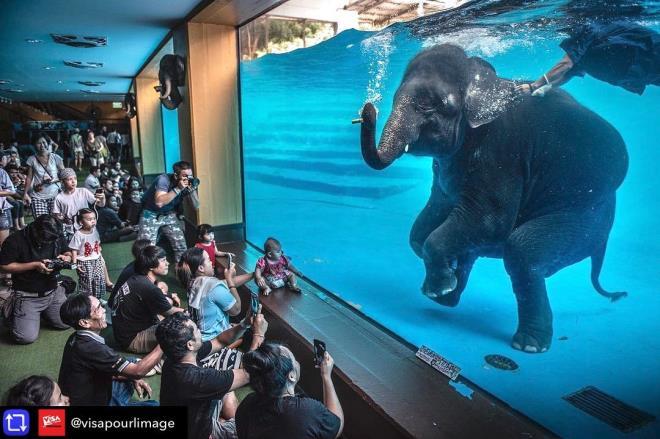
(608, 409)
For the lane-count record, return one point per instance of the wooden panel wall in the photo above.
(150, 125)
(213, 93)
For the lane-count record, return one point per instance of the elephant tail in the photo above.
(596, 265)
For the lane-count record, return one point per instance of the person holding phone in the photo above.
(274, 410)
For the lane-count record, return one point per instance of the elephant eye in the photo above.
(425, 105)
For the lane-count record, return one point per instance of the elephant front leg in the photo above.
(444, 253)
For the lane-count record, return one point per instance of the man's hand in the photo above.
(41, 267)
(142, 388)
(259, 324)
(183, 183)
(326, 365)
(65, 258)
(525, 89)
(176, 300)
(100, 198)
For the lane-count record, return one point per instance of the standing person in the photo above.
(91, 372)
(7, 190)
(620, 53)
(68, 203)
(161, 202)
(114, 142)
(41, 184)
(102, 139)
(27, 256)
(86, 252)
(125, 147)
(139, 303)
(18, 180)
(93, 149)
(76, 144)
(185, 383)
(274, 411)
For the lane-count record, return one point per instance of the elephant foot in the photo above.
(533, 343)
(441, 287)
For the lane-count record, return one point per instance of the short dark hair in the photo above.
(84, 211)
(93, 169)
(75, 308)
(180, 166)
(173, 333)
(148, 259)
(35, 390)
(138, 246)
(44, 226)
(268, 368)
(203, 229)
(268, 245)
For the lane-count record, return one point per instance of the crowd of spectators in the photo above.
(201, 355)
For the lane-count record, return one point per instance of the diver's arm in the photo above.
(556, 76)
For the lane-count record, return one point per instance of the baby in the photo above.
(274, 270)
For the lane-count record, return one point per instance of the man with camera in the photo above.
(34, 257)
(162, 204)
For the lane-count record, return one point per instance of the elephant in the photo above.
(172, 75)
(529, 180)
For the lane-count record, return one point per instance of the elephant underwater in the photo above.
(530, 180)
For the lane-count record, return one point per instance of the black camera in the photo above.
(194, 182)
(58, 264)
(319, 352)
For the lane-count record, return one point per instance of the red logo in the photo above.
(52, 422)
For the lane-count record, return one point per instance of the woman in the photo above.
(274, 410)
(210, 303)
(93, 146)
(41, 183)
(36, 390)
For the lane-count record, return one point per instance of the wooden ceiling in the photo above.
(379, 13)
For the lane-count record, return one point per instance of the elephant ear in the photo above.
(487, 96)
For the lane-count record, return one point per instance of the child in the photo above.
(274, 270)
(206, 241)
(86, 249)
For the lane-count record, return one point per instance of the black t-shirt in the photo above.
(286, 418)
(125, 274)
(183, 384)
(136, 307)
(19, 248)
(87, 368)
(621, 53)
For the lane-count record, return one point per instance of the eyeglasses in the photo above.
(96, 309)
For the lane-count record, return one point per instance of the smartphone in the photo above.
(254, 304)
(99, 190)
(228, 261)
(319, 352)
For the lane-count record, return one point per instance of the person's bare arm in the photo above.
(163, 198)
(259, 328)
(556, 76)
(330, 399)
(241, 378)
(22, 267)
(229, 277)
(294, 269)
(138, 370)
(28, 184)
(261, 282)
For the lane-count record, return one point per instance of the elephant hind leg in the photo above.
(536, 250)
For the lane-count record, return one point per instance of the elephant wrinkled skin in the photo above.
(529, 180)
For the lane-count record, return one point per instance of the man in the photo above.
(139, 303)
(620, 53)
(26, 255)
(110, 227)
(114, 143)
(185, 383)
(72, 198)
(92, 182)
(161, 203)
(89, 366)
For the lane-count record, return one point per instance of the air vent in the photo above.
(83, 65)
(80, 41)
(91, 92)
(608, 409)
(91, 83)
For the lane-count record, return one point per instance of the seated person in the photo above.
(185, 383)
(92, 182)
(131, 207)
(274, 410)
(274, 270)
(89, 366)
(206, 241)
(111, 227)
(36, 390)
(27, 256)
(116, 170)
(139, 304)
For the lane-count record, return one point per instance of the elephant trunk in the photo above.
(397, 134)
(168, 89)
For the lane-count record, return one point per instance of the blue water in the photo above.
(346, 226)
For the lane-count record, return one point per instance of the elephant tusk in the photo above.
(358, 120)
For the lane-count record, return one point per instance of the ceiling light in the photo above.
(80, 41)
(60, 82)
(83, 65)
(33, 41)
(89, 91)
(92, 83)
